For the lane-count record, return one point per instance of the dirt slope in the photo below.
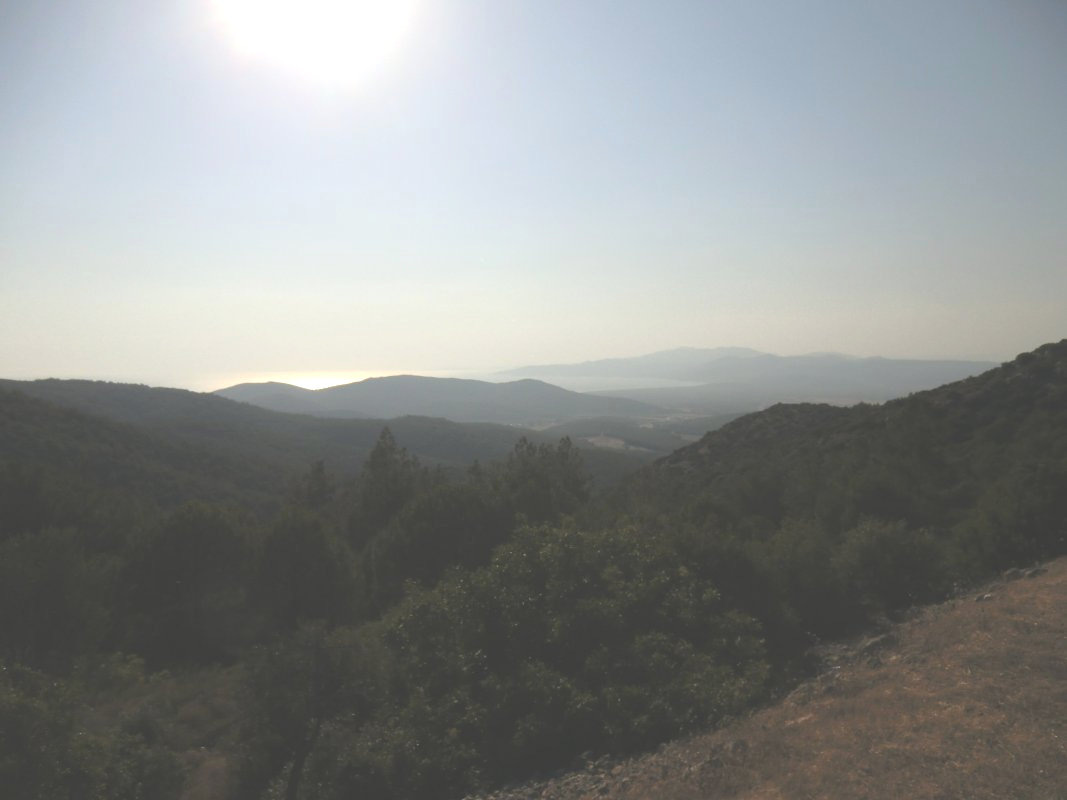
(967, 700)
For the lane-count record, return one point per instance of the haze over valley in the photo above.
(681, 393)
(201, 564)
(462, 400)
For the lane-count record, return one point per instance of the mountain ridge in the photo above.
(696, 589)
(521, 402)
(647, 365)
(755, 382)
(686, 381)
(930, 459)
(711, 381)
(166, 430)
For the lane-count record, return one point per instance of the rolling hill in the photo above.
(722, 380)
(753, 382)
(261, 449)
(495, 602)
(523, 402)
(98, 455)
(905, 456)
(678, 364)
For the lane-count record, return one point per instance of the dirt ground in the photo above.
(966, 700)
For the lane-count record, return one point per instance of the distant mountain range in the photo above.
(679, 364)
(725, 379)
(686, 381)
(1014, 413)
(172, 445)
(521, 402)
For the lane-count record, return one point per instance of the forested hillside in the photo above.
(412, 632)
(264, 449)
(842, 514)
(114, 457)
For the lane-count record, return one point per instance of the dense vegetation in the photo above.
(219, 450)
(421, 632)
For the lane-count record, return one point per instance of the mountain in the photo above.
(935, 458)
(752, 382)
(277, 397)
(687, 381)
(96, 455)
(258, 448)
(453, 608)
(211, 422)
(727, 379)
(522, 402)
(678, 364)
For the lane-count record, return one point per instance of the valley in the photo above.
(202, 599)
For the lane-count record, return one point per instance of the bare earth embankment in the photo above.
(966, 700)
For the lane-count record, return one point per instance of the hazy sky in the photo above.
(530, 181)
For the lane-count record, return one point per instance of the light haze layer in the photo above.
(531, 182)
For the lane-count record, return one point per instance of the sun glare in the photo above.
(334, 43)
(318, 380)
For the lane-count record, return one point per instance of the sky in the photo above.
(528, 181)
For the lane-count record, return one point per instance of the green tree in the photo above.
(798, 568)
(24, 503)
(448, 525)
(186, 589)
(304, 571)
(888, 565)
(316, 489)
(47, 753)
(296, 689)
(389, 479)
(545, 483)
(55, 598)
(568, 641)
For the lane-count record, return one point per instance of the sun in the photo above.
(332, 43)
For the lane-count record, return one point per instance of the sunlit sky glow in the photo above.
(320, 380)
(186, 203)
(333, 43)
